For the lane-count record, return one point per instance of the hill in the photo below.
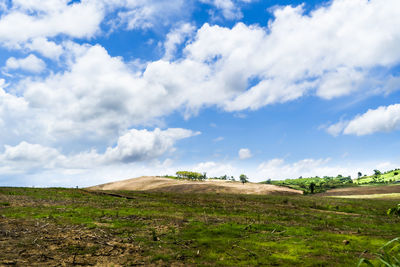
(392, 176)
(162, 184)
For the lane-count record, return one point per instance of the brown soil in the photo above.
(40, 243)
(159, 184)
(362, 190)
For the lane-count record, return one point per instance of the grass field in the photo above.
(76, 227)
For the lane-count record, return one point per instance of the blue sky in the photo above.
(95, 91)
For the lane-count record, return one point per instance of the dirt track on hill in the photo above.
(159, 184)
(362, 190)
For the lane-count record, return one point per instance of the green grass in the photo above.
(314, 184)
(384, 178)
(218, 229)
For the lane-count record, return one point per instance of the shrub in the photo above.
(394, 211)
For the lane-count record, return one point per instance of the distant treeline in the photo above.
(314, 184)
(196, 176)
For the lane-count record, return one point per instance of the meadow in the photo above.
(58, 226)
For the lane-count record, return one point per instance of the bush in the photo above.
(394, 211)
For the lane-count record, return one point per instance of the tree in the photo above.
(377, 172)
(359, 174)
(243, 178)
(312, 187)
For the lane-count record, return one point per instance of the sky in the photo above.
(95, 91)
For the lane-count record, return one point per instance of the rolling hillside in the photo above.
(161, 184)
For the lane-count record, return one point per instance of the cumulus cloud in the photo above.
(382, 119)
(34, 18)
(244, 153)
(245, 67)
(29, 153)
(299, 54)
(45, 48)
(138, 145)
(31, 63)
(134, 146)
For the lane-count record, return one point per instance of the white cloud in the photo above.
(296, 55)
(31, 63)
(138, 145)
(244, 153)
(176, 37)
(34, 18)
(134, 146)
(45, 48)
(14, 115)
(339, 82)
(337, 128)
(382, 119)
(230, 8)
(300, 54)
(25, 152)
(140, 14)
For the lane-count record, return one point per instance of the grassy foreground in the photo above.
(75, 227)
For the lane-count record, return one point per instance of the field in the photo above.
(66, 227)
(363, 190)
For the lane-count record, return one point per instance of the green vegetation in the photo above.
(388, 255)
(195, 176)
(223, 177)
(191, 175)
(317, 185)
(137, 228)
(243, 178)
(394, 211)
(314, 184)
(388, 177)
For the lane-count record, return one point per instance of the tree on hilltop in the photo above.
(243, 178)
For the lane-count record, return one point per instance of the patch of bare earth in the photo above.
(363, 190)
(160, 184)
(40, 243)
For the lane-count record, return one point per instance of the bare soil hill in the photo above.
(362, 190)
(160, 184)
